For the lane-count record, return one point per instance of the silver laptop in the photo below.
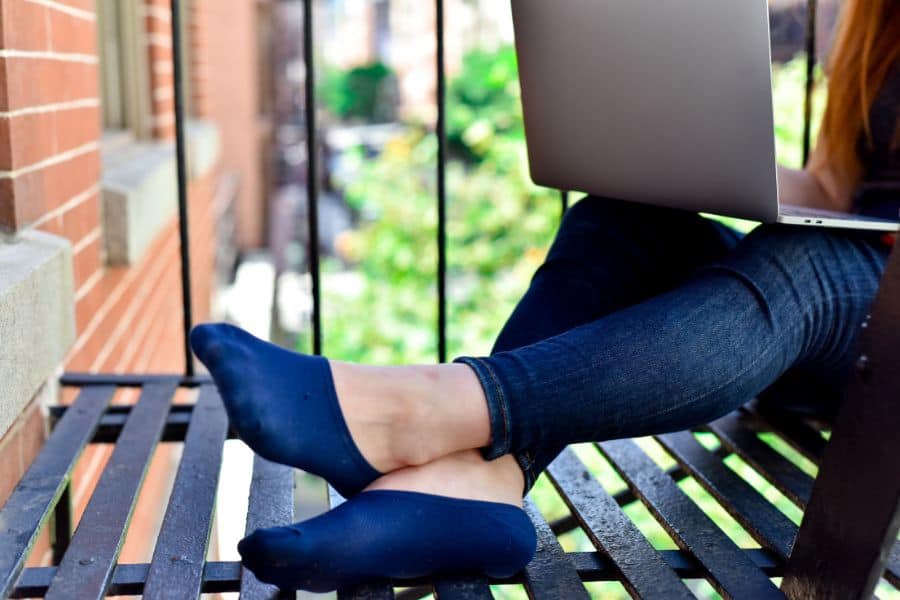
(661, 102)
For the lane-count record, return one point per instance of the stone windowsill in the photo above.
(139, 188)
(37, 320)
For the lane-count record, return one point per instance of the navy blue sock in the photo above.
(283, 405)
(383, 534)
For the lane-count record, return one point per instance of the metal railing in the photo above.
(312, 175)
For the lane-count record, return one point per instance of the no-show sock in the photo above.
(384, 534)
(283, 405)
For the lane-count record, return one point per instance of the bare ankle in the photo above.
(410, 416)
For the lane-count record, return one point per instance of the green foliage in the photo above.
(360, 93)
(483, 104)
(499, 226)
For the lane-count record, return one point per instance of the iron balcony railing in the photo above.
(312, 179)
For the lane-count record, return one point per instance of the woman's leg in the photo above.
(607, 256)
(786, 296)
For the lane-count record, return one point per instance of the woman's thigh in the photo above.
(785, 297)
(607, 255)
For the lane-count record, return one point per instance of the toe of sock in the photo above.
(207, 342)
(273, 546)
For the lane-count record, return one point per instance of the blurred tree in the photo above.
(364, 93)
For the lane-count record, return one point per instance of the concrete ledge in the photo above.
(139, 189)
(37, 316)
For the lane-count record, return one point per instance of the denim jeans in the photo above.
(647, 320)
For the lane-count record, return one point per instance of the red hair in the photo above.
(866, 47)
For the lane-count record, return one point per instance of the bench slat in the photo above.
(87, 567)
(644, 572)
(768, 525)
(793, 430)
(731, 572)
(30, 504)
(551, 574)
(778, 470)
(176, 570)
(271, 504)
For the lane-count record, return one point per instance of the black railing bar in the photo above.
(223, 577)
(811, 58)
(564, 200)
(441, 133)
(91, 379)
(312, 174)
(181, 162)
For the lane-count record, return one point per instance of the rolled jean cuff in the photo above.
(526, 463)
(498, 407)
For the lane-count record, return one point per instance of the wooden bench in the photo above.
(846, 543)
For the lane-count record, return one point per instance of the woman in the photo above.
(641, 321)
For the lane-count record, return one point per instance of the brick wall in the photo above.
(128, 318)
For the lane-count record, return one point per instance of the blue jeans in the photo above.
(647, 320)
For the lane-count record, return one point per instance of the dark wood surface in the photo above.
(621, 551)
(851, 522)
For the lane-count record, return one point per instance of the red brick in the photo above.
(86, 262)
(76, 127)
(31, 139)
(7, 206)
(72, 34)
(9, 458)
(32, 434)
(6, 159)
(85, 5)
(36, 193)
(37, 136)
(39, 81)
(24, 25)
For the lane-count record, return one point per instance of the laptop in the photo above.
(659, 102)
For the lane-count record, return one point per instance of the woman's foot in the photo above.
(346, 423)
(415, 529)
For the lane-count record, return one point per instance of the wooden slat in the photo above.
(87, 567)
(778, 470)
(128, 580)
(768, 525)
(84, 380)
(271, 504)
(644, 572)
(550, 574)
(731, 572)
(471, 588)
(803, 438)
(30, 504)
(593, 566)
(176, 570)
